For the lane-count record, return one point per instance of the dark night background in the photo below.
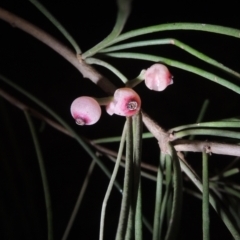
(49, 77)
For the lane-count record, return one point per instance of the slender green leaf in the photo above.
(79, 201)
(177, 197)
(57, 24)
(209, 132)
(179, 26)
(108, 66)
(60, 120)
(205, 200)
(201, 114)
(186, 67)
(127, 189)
(217, 124)
(124, 8)
(223, 213)
(43, 176)
(158, 201)
(177, 43)
(137, 194)
(225, 174)
(111, 183)
(168, 178)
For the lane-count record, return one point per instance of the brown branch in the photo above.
(90, 73)
(159, 133)
(15, 102)
(86, 70)
(180, 145)
(211, 147)
(33, 112)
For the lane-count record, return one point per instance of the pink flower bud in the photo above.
(158, 77)
(85, 110)
(126, 102)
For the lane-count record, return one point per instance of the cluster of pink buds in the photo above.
(158, 77)
(125, 102)
(87, 111)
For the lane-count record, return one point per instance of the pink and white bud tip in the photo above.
(126, 102)
(85, 110)
(158, 77)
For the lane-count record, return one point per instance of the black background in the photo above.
(45, 74)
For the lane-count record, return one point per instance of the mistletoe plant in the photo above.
(174, 144)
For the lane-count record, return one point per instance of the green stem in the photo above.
(124, 9)
(233, 207)
(73, 133)
(107, 140)
(193, 193)
(186, 67)
(201, 114)
(200, 117)
(217, 124)
(43, 176)
(79, 201)
(138, 216)
(158, 201)
(168, 177)
(57, 24)
(205, 199)
(147, 225)
(223, 213)
(130, 224)
(179, 26)
(108, 66)
(137, 198)
(177, 43)
(61, 121)
(143, 173)
(175, 218)
(209, 132)
(134, 82)
(127, 189)
(104, 101)
(137, 44)
(177, 133)
(112, 180)
(225, 174)
(203, 111)
(226, 189)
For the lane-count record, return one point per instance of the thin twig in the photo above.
(179, 145)
(86, 70)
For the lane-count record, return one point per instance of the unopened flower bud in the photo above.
(158, 77)
(85, 110)
(126, 102)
